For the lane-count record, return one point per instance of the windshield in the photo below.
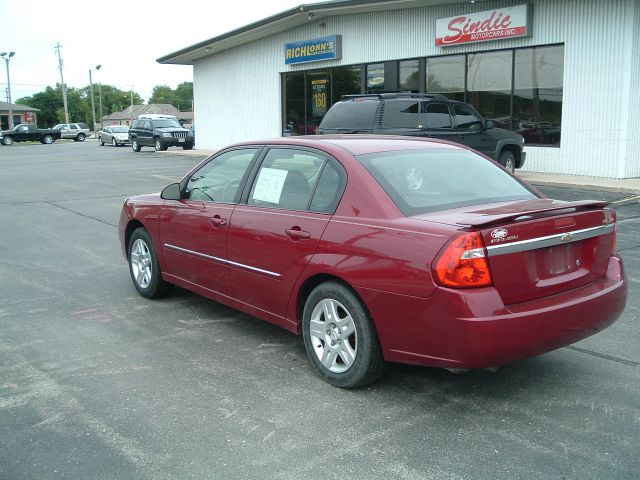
(166, 122)
(119, 129)
(422, 181)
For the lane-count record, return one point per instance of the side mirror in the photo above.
(171, 192)
(488, 124)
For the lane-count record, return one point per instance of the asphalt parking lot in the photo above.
(99, 383)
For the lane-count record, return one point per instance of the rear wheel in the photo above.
(340, 338)
(81, 137)
(144, 267)
(7, 140)
(48, 139)
(134, 145)
(507, 160)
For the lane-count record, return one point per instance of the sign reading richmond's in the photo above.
(496, 24)
(325, 48)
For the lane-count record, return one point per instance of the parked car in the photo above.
(27, 132)
(161, 132)
(114, 134)
(381, 249)
(424, 115)
(76, 131)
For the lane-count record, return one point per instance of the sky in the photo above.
(125, 38)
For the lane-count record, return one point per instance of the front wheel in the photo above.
(507, 160)
(134, 145)
(144, 267)
(113, 142)
(81, 137)
(187, 146)
(101, 142)
(160, 147)
(47, 139)
(340, 338)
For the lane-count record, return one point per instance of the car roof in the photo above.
(362, 144)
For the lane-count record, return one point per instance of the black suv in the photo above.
(424, 115)
(159, 131)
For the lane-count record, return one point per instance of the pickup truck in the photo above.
(76, 131)
(24, 132)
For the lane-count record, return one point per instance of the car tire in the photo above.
(507, 160)
(7, 141)
(134, 145)
(144, 267)
(101, 142)
(113, 142)
(81, 137)
(188, 146)
(160, 147)
(340, 338)
(47, 139)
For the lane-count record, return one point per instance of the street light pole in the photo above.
(7, 56)
(93, 103)
(98, 67)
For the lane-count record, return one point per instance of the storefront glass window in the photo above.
(489, 85)
(409, 75)
(537, 94)
(345, 81)
(318, 98)
(294, 108)
(445, 75)
(375, 77)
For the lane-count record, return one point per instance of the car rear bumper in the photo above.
(474, 329)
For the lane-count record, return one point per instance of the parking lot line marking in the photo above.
(627, 199)
(172, 179)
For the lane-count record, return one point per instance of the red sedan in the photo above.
(381, 249)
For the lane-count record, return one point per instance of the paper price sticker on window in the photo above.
(269, 185)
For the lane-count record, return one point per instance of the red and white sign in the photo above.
(495, 24)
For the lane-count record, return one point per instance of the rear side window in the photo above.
(422, 181)
(351, 115)
(437, 116)
(401, 114)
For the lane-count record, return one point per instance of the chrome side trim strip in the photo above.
(222, 260)
(549, 241)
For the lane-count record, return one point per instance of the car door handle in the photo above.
(217, 221)
(297, 234)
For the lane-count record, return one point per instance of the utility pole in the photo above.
(93, 103)
(7, 57)
(64, 88)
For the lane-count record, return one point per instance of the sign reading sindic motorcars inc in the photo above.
(497, 24)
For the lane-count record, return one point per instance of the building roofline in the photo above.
(286, 20)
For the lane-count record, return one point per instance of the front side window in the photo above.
(465, 118)
(286, 179)
(422, 181)
(219, 180)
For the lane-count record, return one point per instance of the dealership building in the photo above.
(563, 73)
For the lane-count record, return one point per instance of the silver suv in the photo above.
(76, 131)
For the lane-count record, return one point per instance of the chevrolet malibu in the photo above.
(381, 249)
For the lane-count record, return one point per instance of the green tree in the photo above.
(181, 97)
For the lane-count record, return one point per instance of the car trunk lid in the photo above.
(542, 247)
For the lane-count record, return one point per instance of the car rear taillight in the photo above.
(463, 263)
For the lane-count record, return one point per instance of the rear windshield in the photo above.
(423, 181)
(351, 115)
